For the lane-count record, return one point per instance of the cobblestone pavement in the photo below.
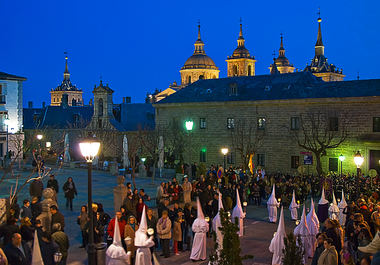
(258, 232)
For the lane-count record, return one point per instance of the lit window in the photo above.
(230, 123)
(376, 124)
(202, 122)
(295, 162)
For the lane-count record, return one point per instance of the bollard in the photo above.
(101, 253)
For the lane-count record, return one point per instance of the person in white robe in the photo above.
(302, 230)
(239, 213)
(334, 209)
(342, 205)
(272, 205)
(323, 207)
(36, 255)
(293, 207)
(277, 244)
(115, 254)
(143, 243)
(313, 224)
(216, 223)
(200, 228)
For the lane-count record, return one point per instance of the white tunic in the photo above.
(143, 254)
(272, 211)
(198, 251)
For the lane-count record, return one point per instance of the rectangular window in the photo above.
(333, 164)
(295, 162)
(231, 158)
(295, 123)
(202, 123)
(260, 160)
(203, 155)
(376, 124)
(333, 124)
(261, 123)
(230, 123)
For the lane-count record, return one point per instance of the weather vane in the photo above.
(274, 54)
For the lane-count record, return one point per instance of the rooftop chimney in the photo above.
(127, 100)
(43, 104)
(30, 104)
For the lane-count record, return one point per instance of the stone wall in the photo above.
(278, 146)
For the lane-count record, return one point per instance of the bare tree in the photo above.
(134, 149)
(149, 140)
(175, 141)
(246, 139)
(319, 132)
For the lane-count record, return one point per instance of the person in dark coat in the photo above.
(48, 248)
(62, 241)
(18, 252)
(36, 209)
(36, 188)
(333, 234)
(53, 183)
(26, 210)
(26, 230)
(7, 230)
(70, 192)
(57, 217)
(321, 237)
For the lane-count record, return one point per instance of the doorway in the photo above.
(374, 158)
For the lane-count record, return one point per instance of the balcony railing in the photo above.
(2, 99)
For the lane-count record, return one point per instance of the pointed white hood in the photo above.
(333, 209)
(238, 210)
(272, 201)
(36, 256)
(302, 229)
(140, 235)
(116, 250)
(323, 200)
(220, 202)
(277, 244)
(334, 200)
(342, 204)
(312, 220)
(293, 204)
(200, 214)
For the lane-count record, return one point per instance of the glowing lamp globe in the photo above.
(358, 159)
(189, 125)
(39, 136)
(89, 148)
(150, 231)
(341, 158)
(207, 219)
(245, 204)
(224, 151)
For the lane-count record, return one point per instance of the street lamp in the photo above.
(341, 158)
(143, 159)
(89, 149)
(358, 159)
(224, 152)
(39, 136)
(189, 127)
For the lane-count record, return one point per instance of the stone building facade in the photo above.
(273, 106)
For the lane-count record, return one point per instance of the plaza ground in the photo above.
(258, 232)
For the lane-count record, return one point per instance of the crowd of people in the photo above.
(175, 211)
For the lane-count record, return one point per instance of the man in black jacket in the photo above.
(53, 183)
(57, 217)
(18, 252)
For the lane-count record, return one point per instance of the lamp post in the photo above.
(341, 158)
(224, 152)
(189, 127)
(358, 159)
(89, 149)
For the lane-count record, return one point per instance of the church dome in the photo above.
(199, 61)
(241, 52)
(282, 61)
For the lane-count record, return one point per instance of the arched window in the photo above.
(249, 70)
(214, 76)
(201, 77)
(100, 107)
(235, 70)
(189, 79)
(73, 102)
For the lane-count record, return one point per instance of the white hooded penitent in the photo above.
(334, 209)
(36, 255)
(303, 231)
(272, 205)
(342, 205)
(200, 228)
(216, 223)
(277, 244)
(143, 243)
(239, 213)
(313, 224)
(293, 207)
(115, 254)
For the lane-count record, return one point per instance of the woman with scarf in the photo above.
(129, 231)
(70, 192)
(164, 226)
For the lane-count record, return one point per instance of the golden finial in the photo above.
(319, 15)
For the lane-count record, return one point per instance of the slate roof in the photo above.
(5, 76)
(58, 117)
(137, 115)
(300, 85)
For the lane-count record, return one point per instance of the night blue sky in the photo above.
(137, 46)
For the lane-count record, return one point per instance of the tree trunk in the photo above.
(319, 163)
(154, 171)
